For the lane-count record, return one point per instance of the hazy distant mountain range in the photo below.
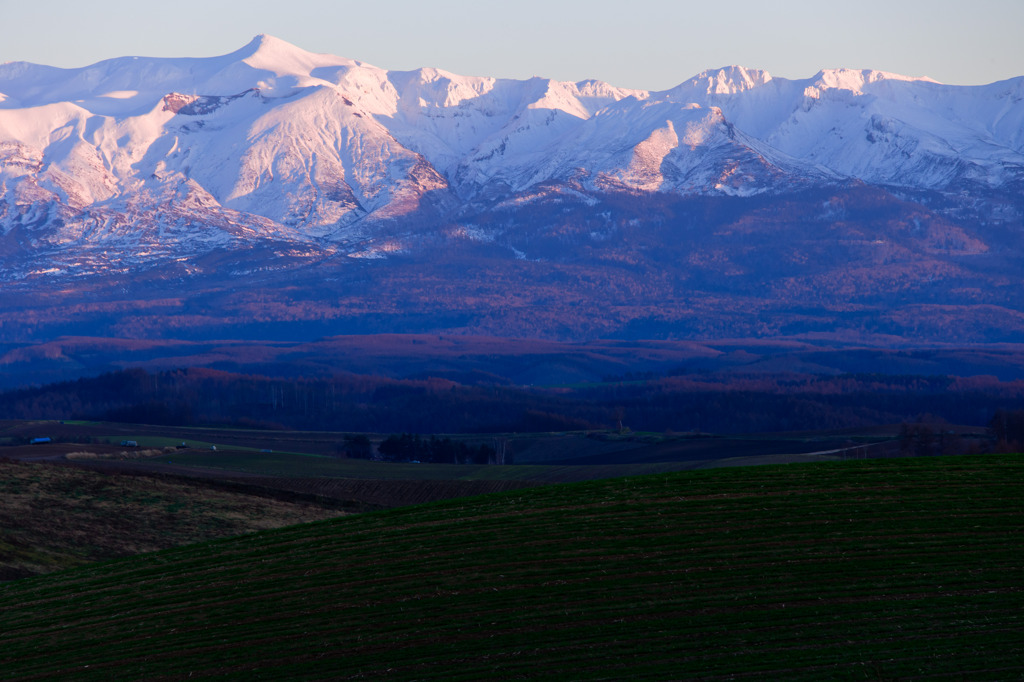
(279, 188)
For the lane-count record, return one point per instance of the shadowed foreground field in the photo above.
(906, 568)
(54, 517)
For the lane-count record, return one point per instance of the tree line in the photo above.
(365, 403)
(1008, 428)
(414, 448)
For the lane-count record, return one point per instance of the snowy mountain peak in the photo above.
(265, 52)
(266, 42)
(595, 88)
(437, 88)
(728, 80)
(855, 80)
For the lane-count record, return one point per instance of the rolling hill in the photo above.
(879, 568)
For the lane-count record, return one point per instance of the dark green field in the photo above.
(872, 569)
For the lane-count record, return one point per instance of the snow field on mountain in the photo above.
(277, 140)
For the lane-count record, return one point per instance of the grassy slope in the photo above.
(861, 569)
(55, 517)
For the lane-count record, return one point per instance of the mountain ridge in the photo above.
(470, 129)
(272, 159)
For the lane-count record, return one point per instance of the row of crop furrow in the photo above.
(544, 616)
(613, 569)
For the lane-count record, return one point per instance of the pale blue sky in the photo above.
(650, 44)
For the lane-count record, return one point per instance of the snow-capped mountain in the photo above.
(877, 127)
(273, 186)
(278, 143)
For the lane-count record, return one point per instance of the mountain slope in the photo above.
(317, 143)
(879, 127)
(341, 189)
